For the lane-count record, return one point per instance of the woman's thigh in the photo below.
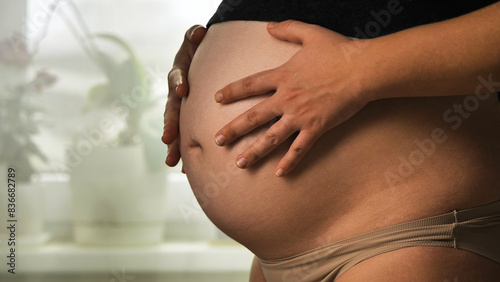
(416, 264)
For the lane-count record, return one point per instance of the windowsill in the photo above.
(193, 246)
(166, 257)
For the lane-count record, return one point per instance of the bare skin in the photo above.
(256, 274)
(340, 188)
(459, 174)
(424, 264)
(333, 77)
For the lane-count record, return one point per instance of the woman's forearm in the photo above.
(460, 56)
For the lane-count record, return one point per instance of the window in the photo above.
(154, 29)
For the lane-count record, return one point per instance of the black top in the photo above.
(353, 18)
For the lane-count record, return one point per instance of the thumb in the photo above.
(290, 30)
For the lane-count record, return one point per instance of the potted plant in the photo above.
(118, 185)
(19, 123)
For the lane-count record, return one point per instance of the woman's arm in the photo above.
(332, 77)
(460, 56)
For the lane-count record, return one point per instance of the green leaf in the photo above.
(99, 96)
(124, 80)
(107, 64)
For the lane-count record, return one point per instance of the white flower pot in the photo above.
(3, 205)
(28, 212)
(116, 199)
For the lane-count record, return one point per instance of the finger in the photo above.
(177, 82)
(300, 146)
(266, 143)
(246, 122)
(171, 119)
(177, 77)
(290, 30)
(195, 34)
(256, 84)
(192, 39)
(174, 153)
(300, 32)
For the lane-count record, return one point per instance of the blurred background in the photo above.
(83, 85)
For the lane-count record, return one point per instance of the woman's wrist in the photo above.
(370, 69)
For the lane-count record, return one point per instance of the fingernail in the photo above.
(218, 97)
(272, 24)
(193, 31)
(242, 163)
(220, 140)
(177, 84)
(280, 172)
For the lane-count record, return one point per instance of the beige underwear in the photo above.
(476, 230)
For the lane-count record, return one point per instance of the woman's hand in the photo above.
(316, 90)
(177, 88)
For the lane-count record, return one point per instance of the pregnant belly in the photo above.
(394, 161)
